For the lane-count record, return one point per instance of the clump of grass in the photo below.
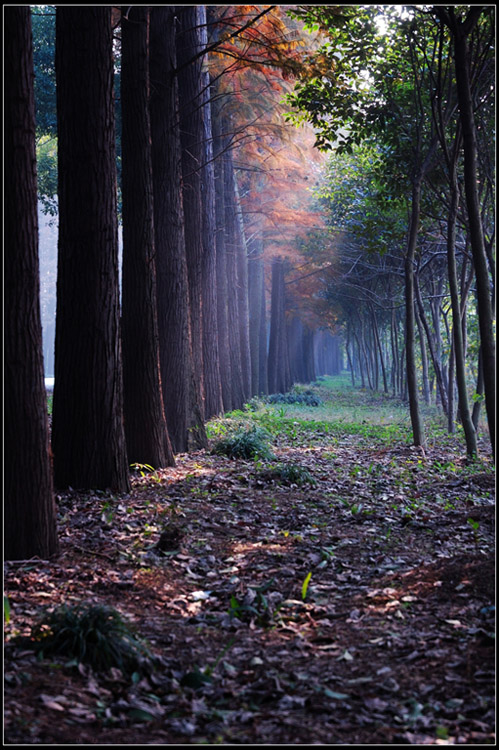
(307, 397)
(292, 473)
(245, 443)
(92, 634)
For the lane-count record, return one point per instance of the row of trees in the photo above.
(409, 95)
(136, 377)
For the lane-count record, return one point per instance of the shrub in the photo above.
(93, 634)
(292, 474)
(245, 443)
(308, 398)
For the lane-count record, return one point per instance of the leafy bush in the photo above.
(307, 397)
(93, 634)
(292, 474)
(245, 443)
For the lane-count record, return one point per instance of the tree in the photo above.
(183, 415)
(278, 358)
(30, 513)
(461, 29)
(88, 438)
(191, 125)
(145, 426)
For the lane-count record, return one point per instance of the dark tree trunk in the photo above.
(188, 44)
(211, 359)
(242, 289)
(462, 58)
(278, 358)
(255, 277)
(88, 439)
(221, 257)
(29, 508)
(182, 413)
(233, 291)
(459, 355)
(145, 426)
(410, 337)
(263, 380)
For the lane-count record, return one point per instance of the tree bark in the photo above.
(88, 439)
(145, 426)
(177, 377)
(278, 358)
(29, 508)
(189, 76)
(211, 358)
(410, 338)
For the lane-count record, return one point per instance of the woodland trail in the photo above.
(350, 600)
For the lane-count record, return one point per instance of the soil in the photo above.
(358, 609)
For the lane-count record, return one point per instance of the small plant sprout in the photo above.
(304, 587)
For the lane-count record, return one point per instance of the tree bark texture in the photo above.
(211, 359)
(29, 508)
(189, 75)
(239, 395)
(145, 425)
(171, 268)
(221, 252)
(410, 337)
(88, 439)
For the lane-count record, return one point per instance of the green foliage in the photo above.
(46, 157)
(245, 443)
(254, 606)
(93, 634)
(292, 473)
(308, 397)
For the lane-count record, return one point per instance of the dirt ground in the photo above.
(354, 609)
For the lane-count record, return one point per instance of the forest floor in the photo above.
(351, 602)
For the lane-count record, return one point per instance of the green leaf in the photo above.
(6, 609)
(304, 587)
(336, 696)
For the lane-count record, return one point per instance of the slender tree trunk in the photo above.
(233, 291)
(29, 508)
(433, 353)
(88, 439)
(477, 405)
(424, 357)
(145, 426)
(461, 31)
(460, 365)
(255, 274)
(221, 253)
(182, 412)
(263, 356)
(190, 79)
(278, 360)
(211, 358)
(243, 301)
(410, 338)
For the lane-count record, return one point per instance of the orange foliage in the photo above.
(277, 165)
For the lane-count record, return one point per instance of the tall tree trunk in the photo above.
(278, 358)
(29, 508)
(182, 413)
(263, 379)
(233, 291)
(410, 338)
(211, 359)
(460, 31)
(190, 79)
(221, 255)
(424, 357)
(255, 274)
(242, 288)
(145, 426)
(460, 364)
(88, 439)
